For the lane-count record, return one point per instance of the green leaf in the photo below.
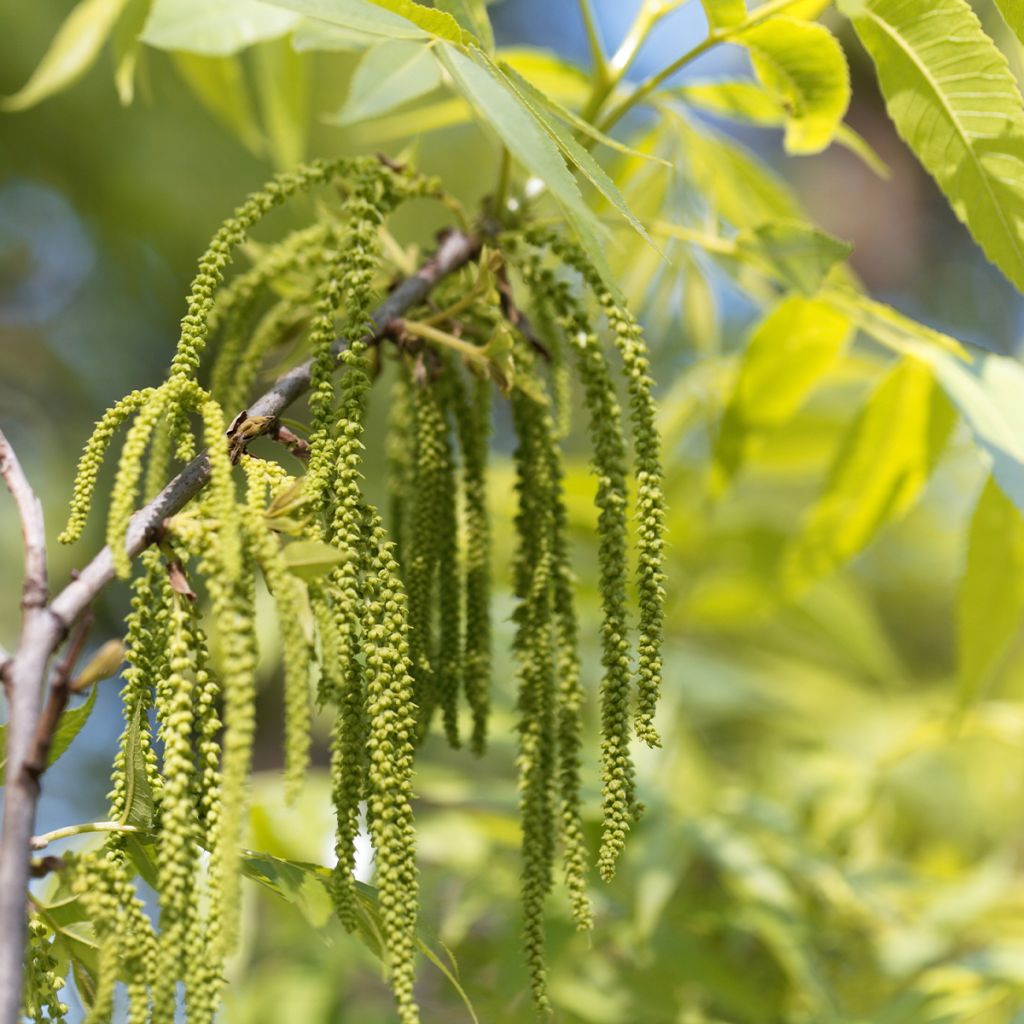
(138, 792)
(803, 64)
(309, 559)
(553, 113)
(388, 75)
(219, 84)
(72, 52)
(307, 886)
(574, 153)
(955, 102)
(1013, 14)
(747, 101)
(733, 181)
(792, 253)
(471, 15)
(282, 87)
(126, 45)
(990, 604)
(69, 725)
(313, 34)
(723, 13)
(789, 352)
(795, 253)
(989, 393)
(528, 140)
(396, 19)
(548, 73)
(213, 29)
(882, 467)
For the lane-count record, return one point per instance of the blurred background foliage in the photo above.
(833, 830)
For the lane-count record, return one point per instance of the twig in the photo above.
(24, 675)
(60, 691)
(45, 626)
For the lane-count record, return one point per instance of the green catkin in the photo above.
(609, 461)
(175, 853)
(430, 429)
(650, 508)
(146, 657)
(286, 590)
(41, 1001)
(570, 696)
(448, 679)
(400, 460)
(473, 423)
(91, 460)
(283, 320)
(234, 616)
(391, 719)
(534, 650)
(233, 313)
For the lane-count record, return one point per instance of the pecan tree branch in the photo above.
(24, 675)
(46, 625)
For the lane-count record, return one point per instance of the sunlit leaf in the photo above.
(798, 255)
(471, 15)
(954, 101)
(574, 153)
(219, 84)
(803, 64)
(138, 800)
(282, 87)
(213, 29)
(1013, 13)
(528, 140)
(882, 467)
(388, 75)
(721, 13)
(792, 348)
(396, 19)
(309, 559)
(126, 45)
(71, 53)
(990, 605)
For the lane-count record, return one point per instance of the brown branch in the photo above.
(46, 625)
(24, 674)
(60, 692)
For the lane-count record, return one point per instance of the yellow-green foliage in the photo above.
(395, 622)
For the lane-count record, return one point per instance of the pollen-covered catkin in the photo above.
(650, 510)
(473, 423)
(609, 461)
(536, 701)
(41, 1001)
(91, 460)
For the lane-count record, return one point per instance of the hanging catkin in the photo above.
(395, 626)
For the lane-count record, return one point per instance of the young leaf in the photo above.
(723, 13)
(1013, 14)
(574, 153)
(953, 99)
(309, 559)
(219, 84)
(796, 254)
(282, 86)
(396, 19)
(529, 141)
(139, 802)
(388, 75)
(471, 15)
(803, 64)
(72, 52)
(792, 348)
(213, 30)
(882, 467)
(69, 725)
(990, 605)
(126, 44)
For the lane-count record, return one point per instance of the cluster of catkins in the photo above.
(395, 632)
